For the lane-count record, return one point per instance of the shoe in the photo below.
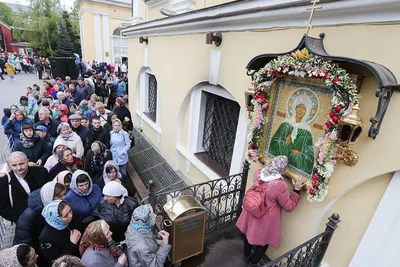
(246, 259)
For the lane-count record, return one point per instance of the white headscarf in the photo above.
(115, 189)
(47, 192)
(306, 101)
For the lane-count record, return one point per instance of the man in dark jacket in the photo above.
(84, 133)
(46, 120)
(39, 67)
(24, 180)
(123, 113)
(98, 132)
(76, 97)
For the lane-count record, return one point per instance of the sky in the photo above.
(67, 3)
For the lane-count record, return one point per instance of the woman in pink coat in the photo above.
(264, 231)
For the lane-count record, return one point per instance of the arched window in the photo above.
(120, 45)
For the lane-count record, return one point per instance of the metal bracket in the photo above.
(384, 95)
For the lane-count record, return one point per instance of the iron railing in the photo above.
(7, 149)
(222, 198)
(310, 253)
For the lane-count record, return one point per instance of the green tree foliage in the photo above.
(71, 21)
(64, 45)
(6, 14)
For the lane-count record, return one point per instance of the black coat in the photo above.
(55, 243)
(59, 167)
(76, 97)
(51, 127)
(117, 217)
(125, 181)
(101, 135)
(94, 164)
(40, 150)
(123, 112)
(86, 136)
(36, 178)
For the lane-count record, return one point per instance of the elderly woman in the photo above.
(68, 261)
(70, 139)
(35, 148)
(265, 230)
(120, 144)
(18, 256)
(144, 250)
(96, 157)
(53, 159)
(84, 195)
(57, 238)
(111, 173)
(31, 223)
(66, 161)
(98, 248)
(115, 208)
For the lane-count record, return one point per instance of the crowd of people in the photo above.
(65, 185)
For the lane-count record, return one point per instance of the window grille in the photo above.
(152, 98)
(220, 125)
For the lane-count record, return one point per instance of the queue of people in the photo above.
(65, 186)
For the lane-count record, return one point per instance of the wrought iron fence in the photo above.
(222, 198)
(152, 98)
(7, 149)
(310, 253)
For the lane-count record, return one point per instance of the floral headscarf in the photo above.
(72, 167)
(95, 239)
(28, 142)
(68, 261)
(274, 169)
(50, 214)
(9, 258)
(142, 220)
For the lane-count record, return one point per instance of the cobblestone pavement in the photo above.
(10, 92)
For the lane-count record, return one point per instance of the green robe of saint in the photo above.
(303, 143)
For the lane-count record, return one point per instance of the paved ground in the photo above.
(11, 91)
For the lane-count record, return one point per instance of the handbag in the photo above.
(7, 227)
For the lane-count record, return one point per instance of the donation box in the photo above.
(185, 222)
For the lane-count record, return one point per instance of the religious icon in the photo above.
(296, 119)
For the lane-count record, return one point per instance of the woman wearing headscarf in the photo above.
(33, 146)
(98, 247)
(115, 208)
(68, 261)
(57, 238)
(144, 250)
(31, 223)
(120, 144)
(96, 157)
(265, 230)
(111, 173)
(53, 159)
(70, 139)
(14, 127)
(66, 162)
(63, 113)
(84, 195)
(293, 138)
(123, 113)
(18, 256)
(64, 178)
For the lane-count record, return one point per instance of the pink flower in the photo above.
(323, 70)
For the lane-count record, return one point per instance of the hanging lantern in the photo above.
(249, 96)
(350, 129)
(351, 126)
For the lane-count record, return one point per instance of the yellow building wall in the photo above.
(181, 62)
(115, 14)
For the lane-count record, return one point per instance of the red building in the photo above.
(7, 43)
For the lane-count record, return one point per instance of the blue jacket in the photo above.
(120, 144)
(31, 223)
(83, 204)
(14, 128)
(121, 89)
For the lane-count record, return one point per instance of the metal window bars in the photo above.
(220, 126)
(152, 98)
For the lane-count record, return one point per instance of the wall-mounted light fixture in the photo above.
(144, 40)
(214, 38)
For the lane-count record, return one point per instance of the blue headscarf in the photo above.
(74, 186)
(142, 220)
(50, 214)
